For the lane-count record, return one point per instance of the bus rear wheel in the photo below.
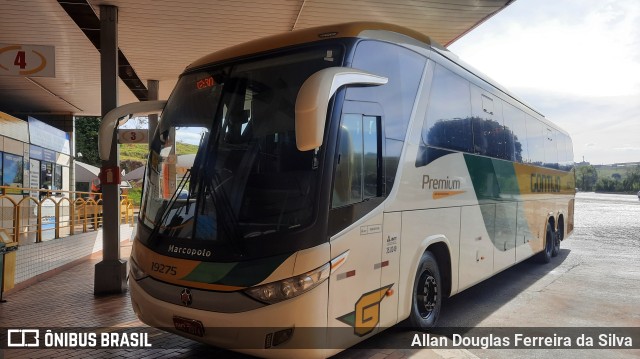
(427, 293)
(557, 237)
(549, 244)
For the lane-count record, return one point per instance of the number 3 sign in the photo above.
(132, 136)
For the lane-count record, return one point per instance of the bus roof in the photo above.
(351, 29)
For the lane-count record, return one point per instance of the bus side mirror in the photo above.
(313, 100)
(111, 121)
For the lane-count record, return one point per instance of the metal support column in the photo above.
(111, 273)
(153, 87)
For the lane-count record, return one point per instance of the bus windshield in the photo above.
(223, 163)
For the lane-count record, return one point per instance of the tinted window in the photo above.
(516, 132)
(566, 149)
(569, 149)
(488, 132)
(537, 139)
(404, 70)
(550, 148)
(357, 176)
(448, 121)
(561, 139)
(370, 151)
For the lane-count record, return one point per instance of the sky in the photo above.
(575, 61)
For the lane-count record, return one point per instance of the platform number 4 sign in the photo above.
(27, 60)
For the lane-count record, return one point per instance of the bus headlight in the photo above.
(291, 287)
(136, 272)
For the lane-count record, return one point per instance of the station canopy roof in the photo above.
(159, 38)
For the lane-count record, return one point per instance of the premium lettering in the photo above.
(439, 183)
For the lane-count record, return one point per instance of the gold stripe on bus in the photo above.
(171, 270)
(539, 180)
(444, 194)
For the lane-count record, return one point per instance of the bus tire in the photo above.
(427, 293)
(549, 243)
(556, 244)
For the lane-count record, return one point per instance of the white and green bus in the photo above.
(347, 178)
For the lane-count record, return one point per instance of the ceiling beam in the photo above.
(81, 12)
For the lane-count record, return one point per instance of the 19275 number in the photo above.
(162, 268)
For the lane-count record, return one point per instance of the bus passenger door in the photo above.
(505, 236)
(476, 247)
(390, 267)
(356, 227)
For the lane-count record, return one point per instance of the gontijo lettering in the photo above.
(544, 183)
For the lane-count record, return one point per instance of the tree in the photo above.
(87, 139)
(632, 179)
(608, 185)
(586, 178)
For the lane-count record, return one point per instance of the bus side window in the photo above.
(404, 69)
(448, 121)
(537, 139)
(569, 149)
(489, 138)
(514, 126)
(358, 172)
(551, 148)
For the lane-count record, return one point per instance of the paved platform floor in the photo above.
(66, 300)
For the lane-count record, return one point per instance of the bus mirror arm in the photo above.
(111, 121)
(313, 100)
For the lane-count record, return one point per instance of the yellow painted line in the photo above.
(183, 267)
(443, 194)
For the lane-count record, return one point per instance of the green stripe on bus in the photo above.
(239, 274)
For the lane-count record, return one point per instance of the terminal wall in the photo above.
(39, 258)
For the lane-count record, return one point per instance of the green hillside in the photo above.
(133, 155)
(139, 152)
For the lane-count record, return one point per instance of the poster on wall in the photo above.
(12, 172)
(34, 176)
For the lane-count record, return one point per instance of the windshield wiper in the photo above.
(164, 212)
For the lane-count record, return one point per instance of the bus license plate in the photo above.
(189, 326)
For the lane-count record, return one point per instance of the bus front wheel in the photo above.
(427, 293)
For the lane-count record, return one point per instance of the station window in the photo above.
(57, 177)
(12, 170)
(46, 175)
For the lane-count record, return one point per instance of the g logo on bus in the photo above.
(366, 315)
(185, 297)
